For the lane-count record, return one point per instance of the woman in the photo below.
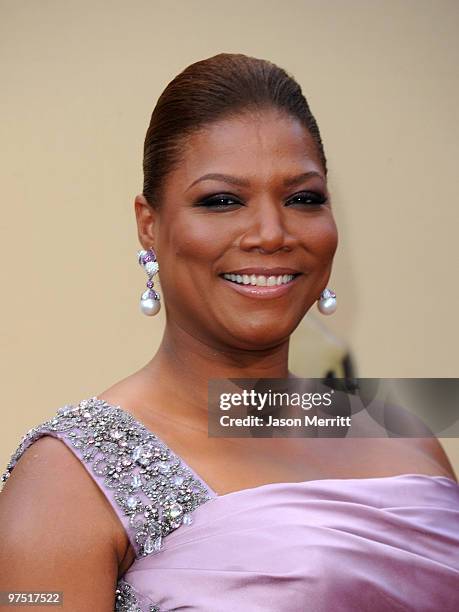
(236, 216)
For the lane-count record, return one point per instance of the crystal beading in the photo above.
(127, 600)
(154, 490)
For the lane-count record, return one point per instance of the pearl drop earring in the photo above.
(327, 302)
(150, 300)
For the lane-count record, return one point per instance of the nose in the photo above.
(266, 230)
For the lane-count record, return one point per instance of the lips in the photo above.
(262, 271)
(261, 282)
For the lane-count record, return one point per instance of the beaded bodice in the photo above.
(329, 544)
(152, 490)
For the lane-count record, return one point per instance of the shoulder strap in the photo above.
(152, 491)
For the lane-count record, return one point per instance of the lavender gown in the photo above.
(350, 545)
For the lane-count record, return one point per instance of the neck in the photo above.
(178, 374)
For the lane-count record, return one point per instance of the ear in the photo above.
(146, 217)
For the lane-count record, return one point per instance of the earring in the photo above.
(150, 300)
(327, 302)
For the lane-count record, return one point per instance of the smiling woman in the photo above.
(274, 228)
(236, 217)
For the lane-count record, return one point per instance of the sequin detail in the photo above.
(127, 600)
(153, 488)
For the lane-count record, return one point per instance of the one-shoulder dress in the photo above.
(379, 544)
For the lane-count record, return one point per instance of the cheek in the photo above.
(321, 239)
(188, 240)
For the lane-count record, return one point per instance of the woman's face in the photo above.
(264, 213)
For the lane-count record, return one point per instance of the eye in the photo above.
(220, 202)
(310, 198)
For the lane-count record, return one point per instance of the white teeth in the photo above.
(259, 280)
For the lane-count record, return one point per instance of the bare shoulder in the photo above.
(433, 452)
(56, 524)
(417, 455)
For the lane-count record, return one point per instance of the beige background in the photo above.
(79, 81)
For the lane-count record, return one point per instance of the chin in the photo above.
(261, 336)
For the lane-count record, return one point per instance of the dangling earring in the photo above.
(327, 302)
(150, 301)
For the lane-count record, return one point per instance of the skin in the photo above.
(194, 244)
(211, 332)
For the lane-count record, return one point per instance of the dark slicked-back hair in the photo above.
(216, 88)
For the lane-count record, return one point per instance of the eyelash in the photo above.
(215, 201)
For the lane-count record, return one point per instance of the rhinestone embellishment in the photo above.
(126, 599)
(155, 491)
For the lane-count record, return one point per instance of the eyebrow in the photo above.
(241, 182)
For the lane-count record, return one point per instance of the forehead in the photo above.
(263, 146)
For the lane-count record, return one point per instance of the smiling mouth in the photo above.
(260, 280)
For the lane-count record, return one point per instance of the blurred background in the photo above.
(79, 81)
